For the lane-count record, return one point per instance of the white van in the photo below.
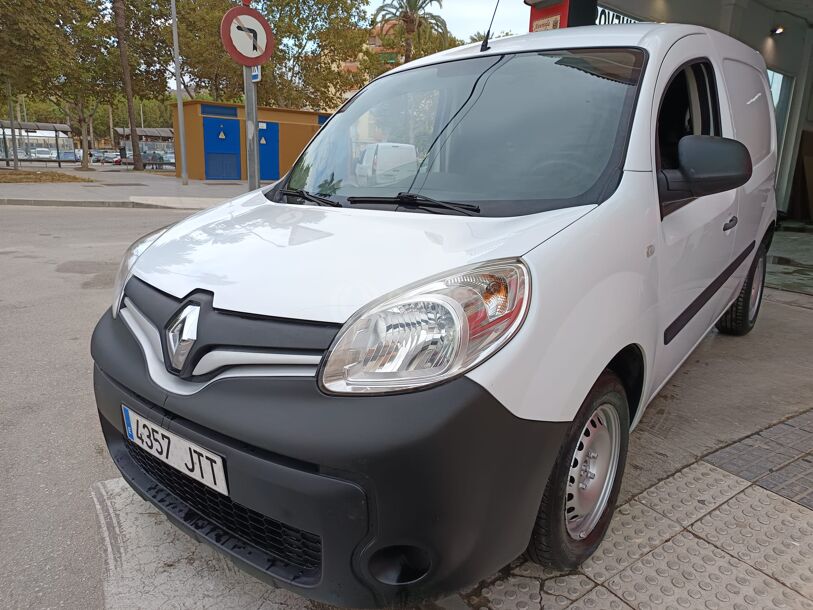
(372, 392)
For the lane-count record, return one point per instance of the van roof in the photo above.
(656, 38)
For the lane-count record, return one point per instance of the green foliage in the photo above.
(150, 46)
(412, 16)
(30, 52)
(481, 36)
(426, 41)
(313, 40)
(205, 65)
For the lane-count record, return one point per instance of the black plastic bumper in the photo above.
(448, 471)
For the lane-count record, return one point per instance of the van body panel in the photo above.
(694, 249)
(599, 296)
(320, 263)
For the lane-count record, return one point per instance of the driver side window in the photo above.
(690, 106)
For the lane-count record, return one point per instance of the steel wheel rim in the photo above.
(593, 468)
(756, 289)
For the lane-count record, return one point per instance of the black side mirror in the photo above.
(708, 165)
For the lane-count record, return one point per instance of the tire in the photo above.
(562, 539)
(741, 317)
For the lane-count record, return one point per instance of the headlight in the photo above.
(428, 332)
(136, 249)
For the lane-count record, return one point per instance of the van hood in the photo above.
(323, 264)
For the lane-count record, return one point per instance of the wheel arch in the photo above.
(768, 237)
(630, 367)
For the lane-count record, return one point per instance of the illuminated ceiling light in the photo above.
(777, 30)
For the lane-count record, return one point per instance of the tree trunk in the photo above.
(110, 120)
(83, 126)
(410, 28)
(408, 47)
(121, 33)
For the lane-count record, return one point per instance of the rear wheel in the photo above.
(742, 315)
(581, 492)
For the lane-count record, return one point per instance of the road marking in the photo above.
(152, 564)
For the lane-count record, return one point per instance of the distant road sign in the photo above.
(256, 74)
(246, 36)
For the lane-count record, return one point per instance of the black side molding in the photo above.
(691, 311)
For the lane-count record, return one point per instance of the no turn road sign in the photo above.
(246, 36)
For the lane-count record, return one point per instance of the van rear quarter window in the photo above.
(749, 103)
(516, 134)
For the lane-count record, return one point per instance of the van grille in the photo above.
(293, 546)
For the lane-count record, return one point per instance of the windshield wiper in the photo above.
(418, 201)
(317, 199)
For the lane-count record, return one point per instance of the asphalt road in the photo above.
(56, 275)
(56, 479)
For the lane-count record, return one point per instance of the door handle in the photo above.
(730, 224)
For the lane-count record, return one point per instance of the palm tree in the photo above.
(412, 15)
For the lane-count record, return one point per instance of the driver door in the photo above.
(696, 235)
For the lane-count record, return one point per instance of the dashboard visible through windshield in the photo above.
(511, 134)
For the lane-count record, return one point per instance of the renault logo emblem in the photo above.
(181, 335)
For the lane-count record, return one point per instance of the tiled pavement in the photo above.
(734, 530)
(790, 261)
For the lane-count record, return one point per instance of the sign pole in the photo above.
(180, 137)
(249, 41)
(252, 149)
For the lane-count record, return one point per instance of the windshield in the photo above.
(515, 134)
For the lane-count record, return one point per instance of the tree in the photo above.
(30, 53)
(413, 16)
(314, 38)
(25, 67)
(205, 64)
(120, 18)
(481, 36)
(85, 73)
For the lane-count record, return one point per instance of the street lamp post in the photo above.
(181, 136)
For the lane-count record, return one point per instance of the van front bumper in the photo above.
(353, 501)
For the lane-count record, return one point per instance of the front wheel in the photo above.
(742, 315)
(582, 490)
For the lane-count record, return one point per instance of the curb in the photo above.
(89, 204)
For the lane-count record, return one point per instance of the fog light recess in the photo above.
(400, 564)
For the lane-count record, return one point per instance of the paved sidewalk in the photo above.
(734, 530)
(790, 261)
(114, 186)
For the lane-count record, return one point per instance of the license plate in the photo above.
(191, 459)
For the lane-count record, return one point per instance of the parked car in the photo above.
(386, 163)
(371, 392)
(68, 155)
(110, 156)
(41, 154)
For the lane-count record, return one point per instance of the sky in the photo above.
(465, 17)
